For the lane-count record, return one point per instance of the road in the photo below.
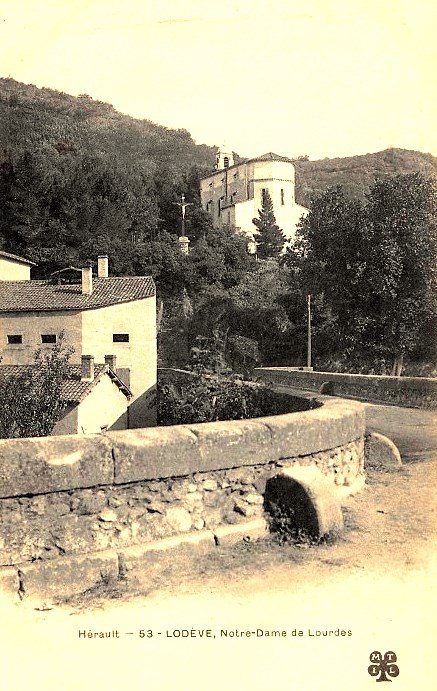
(413, 430)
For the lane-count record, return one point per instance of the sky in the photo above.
(322, 78)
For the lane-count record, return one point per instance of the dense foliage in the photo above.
(357, 173)
(78, 179)
(372, 268)
(208, 399)
(31, 403)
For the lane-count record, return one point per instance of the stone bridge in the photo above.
(76, 509)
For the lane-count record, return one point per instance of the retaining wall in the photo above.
(406, 391)
(75, 495)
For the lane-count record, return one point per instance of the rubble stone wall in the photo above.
(408, 391)
(75, 495)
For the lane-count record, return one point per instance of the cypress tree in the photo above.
(270, 240)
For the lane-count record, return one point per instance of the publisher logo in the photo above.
(383, 666)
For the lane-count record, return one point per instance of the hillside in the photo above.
(31, 118)
(356, 173)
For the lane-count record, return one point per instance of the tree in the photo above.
(372, 267)
(401, 272)
(251, 309)
(327, 261)
(270, 239)
(31, 403)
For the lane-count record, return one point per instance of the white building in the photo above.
(94, 398)
(14, 268)
(232, 195)
(109, 319)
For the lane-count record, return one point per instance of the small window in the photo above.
(48, 338)
(226, 162)
(282, 198)
(15, 339)
(120, 338)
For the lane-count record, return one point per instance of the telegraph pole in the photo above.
(309, 333)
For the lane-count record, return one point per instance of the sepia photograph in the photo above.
(218, 345)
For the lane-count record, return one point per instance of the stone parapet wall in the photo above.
(407, 391)
(74, 495)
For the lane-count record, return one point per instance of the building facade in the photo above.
(99, 316)
(93, 397)
(233, 194)
(14, 268)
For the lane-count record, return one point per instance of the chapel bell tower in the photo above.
(224, 158)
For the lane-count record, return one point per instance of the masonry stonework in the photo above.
(68, 496)
(420, 392)
(46, 526)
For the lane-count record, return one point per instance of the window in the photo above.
(282, 198)
(120, 338)
(226, 162)
(48, 338)
(15, 339)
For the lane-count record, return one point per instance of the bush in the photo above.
(207, 399)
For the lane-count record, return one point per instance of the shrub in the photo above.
(207, 399)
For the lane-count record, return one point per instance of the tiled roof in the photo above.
(272, 157)
(73, 389)
(27, 296)
(16, 258)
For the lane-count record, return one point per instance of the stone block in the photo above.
(380, 451)
(302, 499)
(61, 577)
(231, 444)
(9, 582)
(147, 554)
(212, 518)
(51, 464)
(149, 453)
(249, 530)
(302, 434)
(179, 519)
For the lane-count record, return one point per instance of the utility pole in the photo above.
(309, 333)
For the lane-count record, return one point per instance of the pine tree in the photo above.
(270, 240)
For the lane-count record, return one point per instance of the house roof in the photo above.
(73, 390)
(30, 296)
(16, 258)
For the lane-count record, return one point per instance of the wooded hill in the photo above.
(79, 179)
(31, 117)
(357, 173)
